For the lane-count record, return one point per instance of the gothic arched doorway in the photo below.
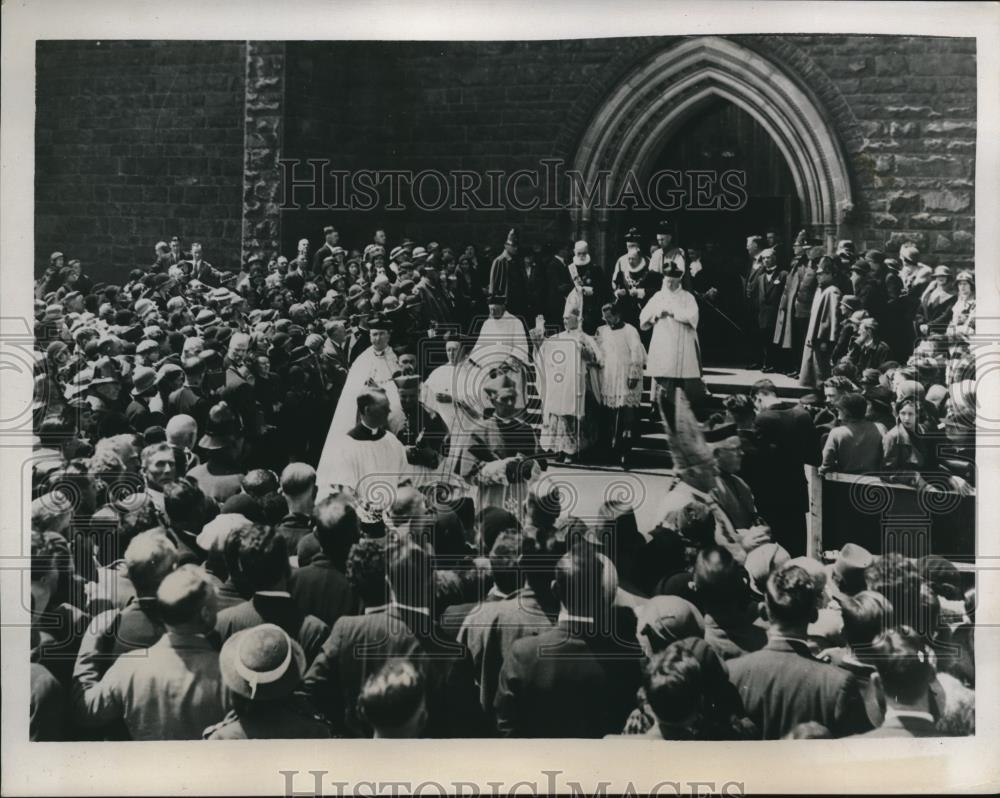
(654, 104)
(717, 138)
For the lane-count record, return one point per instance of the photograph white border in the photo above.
(252, 768)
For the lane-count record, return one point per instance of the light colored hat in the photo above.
(262, 663)
(942, 271)
(762, 561)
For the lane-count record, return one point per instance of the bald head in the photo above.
(149, 558)
(186, 600)
(181, 431)
(298, 479)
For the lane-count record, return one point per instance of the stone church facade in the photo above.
(873, 136)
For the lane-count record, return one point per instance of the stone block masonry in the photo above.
(136, 141)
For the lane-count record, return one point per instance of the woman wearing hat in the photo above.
(261, 667)
(936, 303)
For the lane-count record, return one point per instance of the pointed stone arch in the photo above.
(649, 104)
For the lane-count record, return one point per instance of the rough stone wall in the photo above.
(908, 125)
(904, 109)
(135, 142)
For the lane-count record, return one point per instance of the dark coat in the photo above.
(320, 589)
(783, 685)
(558, 284)
(567, 682)
(360, 645)
(308, 630)
(536, 285)
(507, 278)
(786, 440)
(765, 298)
(285, 720)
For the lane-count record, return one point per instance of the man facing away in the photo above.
(173, 689)
(783, 685)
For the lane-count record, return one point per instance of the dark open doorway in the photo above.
(721, 137)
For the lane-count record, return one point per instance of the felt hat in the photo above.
(221, 428)
(669, 618)
(942, 271)
(377, 321)
(166, 371)
(143, 380)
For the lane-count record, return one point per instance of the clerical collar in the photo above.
(617, 325)
(379, 354)
(365, 433)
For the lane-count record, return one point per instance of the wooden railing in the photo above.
(889, 516)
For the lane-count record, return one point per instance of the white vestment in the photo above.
(504, 340)
(562, 372)
(624, 359)
(673, 350)
(369, 367)
(370, 468)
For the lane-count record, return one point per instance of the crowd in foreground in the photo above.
(193, 575)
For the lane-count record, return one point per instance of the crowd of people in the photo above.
(306, 499)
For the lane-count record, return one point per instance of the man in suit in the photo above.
(149, 558)
(503, 571)
(321, 588)
(786, 441)
(173, 689)
(359, 646)
(765, 300)
(534, 273)
(507, 277)
(261, 568)
(904, 678)
(558, 284)
(492, 628)
(298, 486)
(331, 237)
(578, 679)
(783, 685)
